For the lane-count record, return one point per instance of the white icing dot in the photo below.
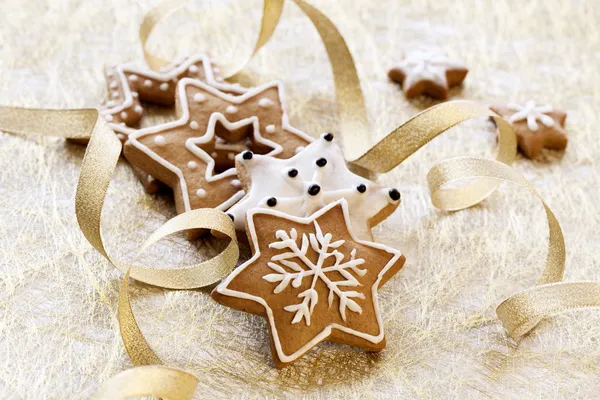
(236, 183)
(164, 86)
(133, 78)
(231, 110)
(159, 140)
(138, 109)
(148, 83)
(231, 156)
(270, 128)
(134, 94)
(192, 164)
(123, 115)
(199, 98)
(193, 69)
(264, 103)
(299, 149)
(201, 193)
(115, 94)
(110, 74)
(120, 136)
(150, 179)
(214, 154)
(194, 125)
(108, 117)
(111, 103)
(113, 85)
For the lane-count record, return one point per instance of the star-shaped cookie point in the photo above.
(128, 85)
(313, 178)
(428, 73)
(536, 126)
(195, 155)
(313, 280)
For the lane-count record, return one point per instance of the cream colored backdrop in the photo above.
(58, 330)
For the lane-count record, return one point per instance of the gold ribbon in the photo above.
(519, 314)
(154, 380)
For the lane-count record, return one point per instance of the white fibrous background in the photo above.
(59, 334)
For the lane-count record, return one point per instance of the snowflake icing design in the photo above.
(287, 271)
(532, 113)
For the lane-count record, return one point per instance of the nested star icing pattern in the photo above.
(313, 280)
(537, 127)
(428, 73)
(195, 155)
(310, 180)
(128, 85)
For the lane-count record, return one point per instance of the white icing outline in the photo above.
(134, 134)
(427, 65)
(192, 143)
(166, 77)
(532, 113)
(326, 332)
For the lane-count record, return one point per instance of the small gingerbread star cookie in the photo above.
(195, 155)
(427, 73)
(127, 85)
(313, 178)
(536, 126)
(313, 280)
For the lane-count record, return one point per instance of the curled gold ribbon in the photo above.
(152, 380)
(97, 168)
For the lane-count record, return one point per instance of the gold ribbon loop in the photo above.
(135, 343)
(155, 381)
(151, 19)
(523, 311)
(460, 169)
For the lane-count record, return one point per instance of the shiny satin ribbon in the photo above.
(152, 380)
(97, 168)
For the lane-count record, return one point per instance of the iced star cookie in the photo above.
(536, 126)
(428, 73)
(312, 279)
(310, 180)
(127, 85)
(195, 155)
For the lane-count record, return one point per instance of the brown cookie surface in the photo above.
(537, 127)
(313, 280)
(195, 155)
(428, 73)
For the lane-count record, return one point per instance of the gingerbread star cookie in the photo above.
(311, 179)
(428, 73)
(536, 126)
(195, 155)
(127, 85)
(312, 279)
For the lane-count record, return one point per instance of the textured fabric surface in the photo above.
(58, 329)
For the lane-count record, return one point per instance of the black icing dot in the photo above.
(247, 155)
(314, 189)
(231, 216)
(361, 188)
(321, 162)
(394, 194)
(292, 173)
(272, 202)
(328, 136)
